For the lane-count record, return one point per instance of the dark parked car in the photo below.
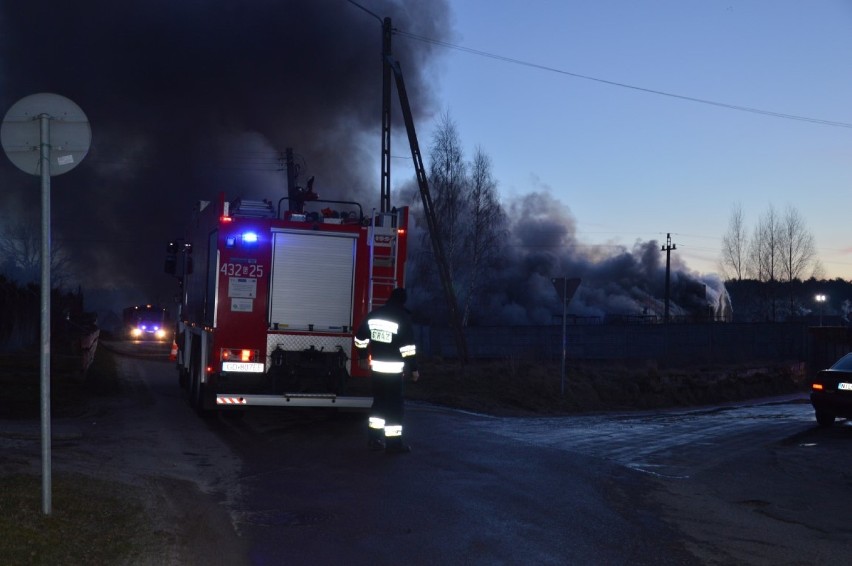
(831, 392)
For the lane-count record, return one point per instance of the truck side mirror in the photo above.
(171, 258)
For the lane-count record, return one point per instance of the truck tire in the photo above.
(205, 403)
(191, 398)
(183, 378)
(197, 390)
(824, 418)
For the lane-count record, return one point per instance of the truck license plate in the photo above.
(243, 367)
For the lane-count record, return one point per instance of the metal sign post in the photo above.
(44, 371)
(565, 288)
(26, 127)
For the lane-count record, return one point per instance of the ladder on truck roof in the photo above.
(246, 208)
(384, 255)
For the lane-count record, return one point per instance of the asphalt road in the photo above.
(753, 483)
(314, 494)
(748, 483)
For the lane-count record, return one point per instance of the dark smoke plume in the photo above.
(186, 99)
(617, 281)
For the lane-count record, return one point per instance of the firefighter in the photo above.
(389, 334)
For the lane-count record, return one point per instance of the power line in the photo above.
(357, 5)
(541, 67)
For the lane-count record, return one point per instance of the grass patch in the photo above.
(70, 390)
(92, 522)
(102, 377)
(517, 387)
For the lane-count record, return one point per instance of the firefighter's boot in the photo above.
(397, 446)
(375, 440)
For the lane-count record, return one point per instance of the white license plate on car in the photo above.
(845, 386)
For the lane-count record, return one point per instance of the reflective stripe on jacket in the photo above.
(389, 334)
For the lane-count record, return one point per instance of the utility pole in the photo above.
(668, 249)
(387, 32)
(392, 69)
(565, 288)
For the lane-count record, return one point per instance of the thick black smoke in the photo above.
(617, 282)
(186, 99)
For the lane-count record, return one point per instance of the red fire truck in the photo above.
(269, 300)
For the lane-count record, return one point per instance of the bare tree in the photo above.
(797, 243)
(471, 220)
(765, 250)
(20, 254)
(448, 181)
(487, 221)
(818, 270)
(765, 255)
(798, 248)
(735, 246)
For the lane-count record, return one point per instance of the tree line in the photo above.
(20, 297)
(20, 323)
(472, 222)
(780, 248)
(778, 255)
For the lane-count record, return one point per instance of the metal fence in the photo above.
(675, 343)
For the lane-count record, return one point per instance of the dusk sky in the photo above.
(633, 165)
(582, 105)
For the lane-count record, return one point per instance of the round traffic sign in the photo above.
(69, 133)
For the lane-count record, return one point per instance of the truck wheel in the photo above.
(200, 399)
(183, 378)
(191, 396)
(824, 418)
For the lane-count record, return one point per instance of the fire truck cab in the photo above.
(269, 301)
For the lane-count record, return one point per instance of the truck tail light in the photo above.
(239, 355)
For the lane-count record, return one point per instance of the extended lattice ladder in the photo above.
(384, 256)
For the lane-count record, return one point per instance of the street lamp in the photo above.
(820, 299)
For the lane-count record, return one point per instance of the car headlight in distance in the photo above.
(136, 332)
(160, 334)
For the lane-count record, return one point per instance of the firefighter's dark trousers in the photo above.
(386, 413)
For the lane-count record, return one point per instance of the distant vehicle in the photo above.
(145, 322)
(831, 392)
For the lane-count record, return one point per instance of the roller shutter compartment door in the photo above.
(312, 281)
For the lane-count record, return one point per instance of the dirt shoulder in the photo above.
(125, 488)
